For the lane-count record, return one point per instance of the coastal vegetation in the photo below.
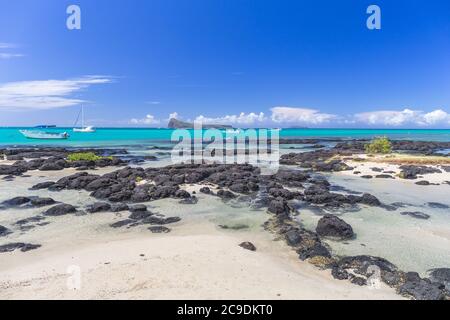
(85, 156)
(379, 145)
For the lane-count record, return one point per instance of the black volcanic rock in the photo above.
(384, 176)
(416, 214)
(315, 250)
(122, 223)
(205, 190)
(421, 289)
(60, 210)
(437, 205)
(51, 166)
(4, 231)
(17, 201)
(190, 200)
(339, 273)
(412, 171)
(99, 207)
(248, 245)
(24, 247)
(333, 226)
(369, 199)
(441, 275)
(160, 220)
(279, 206)
(159, 229)
(423, 183)
(226, 195)
(119, 207)
(41, 202)
(42, 185)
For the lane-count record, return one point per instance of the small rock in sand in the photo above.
(437, 205)
(42, 202)
(60, 210)
(24, 247)
(423, 183)
(119, 207)
(159, 229)
(234, 227)
(122, 223)
(384, 176)
(248, 245)
(4, 231)
(99, 207)
(17, 201)
(190, 200)
(42, 185)
(416, 214)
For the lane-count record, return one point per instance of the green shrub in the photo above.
(379, 145)
(83, 156)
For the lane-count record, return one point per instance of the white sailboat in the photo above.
(83, 128)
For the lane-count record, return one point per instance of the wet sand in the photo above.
(195, 261)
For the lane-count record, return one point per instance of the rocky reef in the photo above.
(282, 195)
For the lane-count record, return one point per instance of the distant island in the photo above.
(297, 127)
(178, 124)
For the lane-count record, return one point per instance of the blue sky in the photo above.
(249, 63)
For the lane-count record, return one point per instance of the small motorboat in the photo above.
(31, 134)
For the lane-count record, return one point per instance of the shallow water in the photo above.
(143, 137)
(82, 227)
(410, 243)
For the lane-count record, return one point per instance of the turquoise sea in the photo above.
(147, 136)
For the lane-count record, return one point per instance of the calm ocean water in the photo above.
(132, 136)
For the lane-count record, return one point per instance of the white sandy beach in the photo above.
(196, 260)
(207, 265)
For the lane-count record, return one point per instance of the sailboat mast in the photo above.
(82, 116)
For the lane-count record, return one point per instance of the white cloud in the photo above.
(9, 55)
(4, 45)
(45, 94)
(402, 118)
(288, 115)
(153, 102)
(300, 115)
(436, 116)
(148, 120)
(173, 115)
(241, 119)
(4, 55)
(393, 118)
